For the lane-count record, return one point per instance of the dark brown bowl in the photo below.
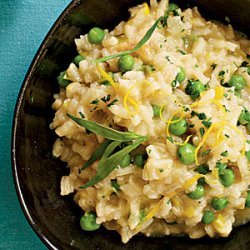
(37, 174)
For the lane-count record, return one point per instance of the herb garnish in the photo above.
(213, 66)
(112, 103)
(206, 152)
(105, 152)
(95, 102)
(105, 98)
(106, 132)
(138, 46)
(225, 153)
(202, 131)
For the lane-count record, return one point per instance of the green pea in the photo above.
(172, 7)
(78, 59)
(96, 35)
(244, 117)
(194, 88)
(219, 203)
(203, 169)
(208, 217)
(156, 110)
(178, 128)
(181, 75)
(125, 161)
(237, 81)
(61, 81)
(88, 222)
(126, 63)
(227, 177)
(197, 193)
(248, 155)
(186, 153)
(247, 204)
(139, 160)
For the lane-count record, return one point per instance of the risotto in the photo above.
(153, 121)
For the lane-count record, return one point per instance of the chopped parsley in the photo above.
(207, 124)
(213, 66)
(206, 152)
(95, 102)
(191, 125)
(221, 75)
(225, 153)
(202, 131)
(82, 115)
(181, 51)
(170, 139)
(161, 170)
(106, 98)
(112, 103)
(201, 116)
(228, 136)
(167, 57)
(244, 64)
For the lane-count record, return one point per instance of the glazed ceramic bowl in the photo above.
(37, 174)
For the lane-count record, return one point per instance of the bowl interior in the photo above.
(37, 174)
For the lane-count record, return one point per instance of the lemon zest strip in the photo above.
(133, 102)
(146, 9)
(106, 76)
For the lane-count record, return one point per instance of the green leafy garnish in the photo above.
(202, 131)
(105, 152)
(106, 132)
(97, 154)
(107, 166)
(109, 150)
(138, 46)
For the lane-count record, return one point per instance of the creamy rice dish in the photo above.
(153, 121)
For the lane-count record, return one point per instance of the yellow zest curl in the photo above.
(105, 75)
(191, 181)
(133, 102)
(146, 9)
(205, 136)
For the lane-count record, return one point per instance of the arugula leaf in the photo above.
(138, 46)
(110, 163)
(106, 132)
(96, 155)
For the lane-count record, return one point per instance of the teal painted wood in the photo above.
(23, 25)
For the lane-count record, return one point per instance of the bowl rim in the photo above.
(16, 116)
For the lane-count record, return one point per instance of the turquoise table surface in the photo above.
(23, 25)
